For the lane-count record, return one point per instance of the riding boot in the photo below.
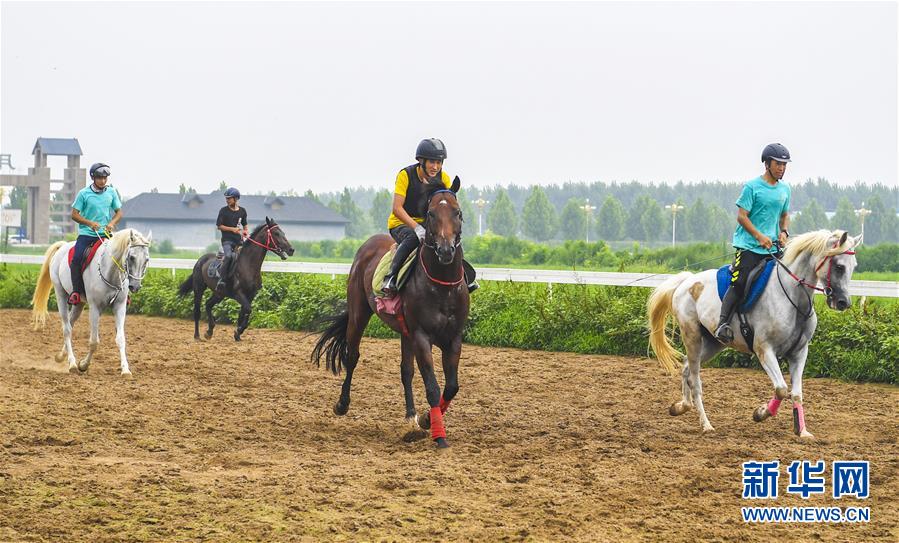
(724, 333)
(77, 295)
(224, 273)
(391, 280)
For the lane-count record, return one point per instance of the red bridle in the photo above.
(827, 289)
(434, 279)
(270, 243)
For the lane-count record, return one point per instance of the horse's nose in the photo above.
(290, 251)
(842, 304)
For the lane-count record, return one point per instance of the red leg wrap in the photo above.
(437, 429)
(444, 405)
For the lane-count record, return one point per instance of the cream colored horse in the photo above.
(783, 319)
(118, 267)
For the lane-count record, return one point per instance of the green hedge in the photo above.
(861, 344)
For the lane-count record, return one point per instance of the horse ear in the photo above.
(843, 239)
(456, 184)
(857, 240)
(268, 221)
(150, 235)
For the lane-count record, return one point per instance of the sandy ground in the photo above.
(218, 441)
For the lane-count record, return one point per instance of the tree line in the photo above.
(634, 211)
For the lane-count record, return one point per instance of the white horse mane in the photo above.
(818, 243)
(123, 239)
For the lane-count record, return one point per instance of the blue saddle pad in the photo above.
(755, 289)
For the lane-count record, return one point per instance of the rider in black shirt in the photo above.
(229, 221)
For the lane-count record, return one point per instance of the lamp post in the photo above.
(588, 209)
(862, 213)
(673, 208)
(480, 202)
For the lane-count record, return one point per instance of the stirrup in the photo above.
(724, 333)
(473, 286)
(389, 287)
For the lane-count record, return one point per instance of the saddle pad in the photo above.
(754, 291)
(384, 266)
(89, 254)
(212, 270)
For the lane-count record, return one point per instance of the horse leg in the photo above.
(797, 366)
(210, 303)
(434, 419)
(94, 339)
(67, 316)
(199, 288)
(407, 372)
(119, 311)
(357, 320)
(450, 373)
(772, 368)
(243, 319)
(693, 343)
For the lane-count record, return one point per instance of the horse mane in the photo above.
(121, 241)
(258, 228)
(817, 242)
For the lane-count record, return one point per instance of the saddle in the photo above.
(213, 270)
(755, 285)
(88, 255)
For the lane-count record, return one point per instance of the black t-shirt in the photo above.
(229, 218)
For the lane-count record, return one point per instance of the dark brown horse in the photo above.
(245, 280)
(435, 308)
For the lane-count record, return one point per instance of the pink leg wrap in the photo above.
(800, 416)
(437, 429)
(773, 406)
(444, 405)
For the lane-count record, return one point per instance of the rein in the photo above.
(126, 273)
(827, 290)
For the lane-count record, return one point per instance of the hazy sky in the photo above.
(271, 96)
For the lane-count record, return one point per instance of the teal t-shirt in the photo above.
(765, 204)
(96, 206)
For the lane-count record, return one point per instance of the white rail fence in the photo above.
(886, 289)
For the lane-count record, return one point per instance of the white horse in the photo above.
(783, 319)
(118, 267)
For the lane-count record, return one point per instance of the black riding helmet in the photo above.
(775, 151)
(431, 149)
(99, 170)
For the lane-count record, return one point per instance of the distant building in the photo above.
(188, 220)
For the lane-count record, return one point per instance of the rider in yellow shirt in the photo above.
(410, 202)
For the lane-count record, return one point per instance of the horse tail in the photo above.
(657, 309)
(333, 342)
(186, 286)
(39, 311)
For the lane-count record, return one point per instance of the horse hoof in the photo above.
(60, 357)
(708, 430)
(761, 413)
(340, 411)
(208, 335)
(424, 421)
(74, 370)
(127, 375)
(414, 435)
(441, 443)
(236, 337)
(805, 435)
(83, 366)
(678, 408)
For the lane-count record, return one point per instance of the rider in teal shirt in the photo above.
(762, 219)
(97, 209)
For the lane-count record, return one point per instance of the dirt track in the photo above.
(220, 441)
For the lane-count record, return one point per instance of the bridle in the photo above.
(270, 243)
(434, 248)
(827, 290)
(122, 267)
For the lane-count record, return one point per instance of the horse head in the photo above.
(137, 258)
(835, 269)
(443, 222)
(279, 239)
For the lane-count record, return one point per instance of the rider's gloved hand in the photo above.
(420, 232)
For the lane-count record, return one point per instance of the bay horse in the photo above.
(245, 280)
(434, 312)
(783, 318)
(118, 267)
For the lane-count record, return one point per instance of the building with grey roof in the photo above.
(188, 220)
